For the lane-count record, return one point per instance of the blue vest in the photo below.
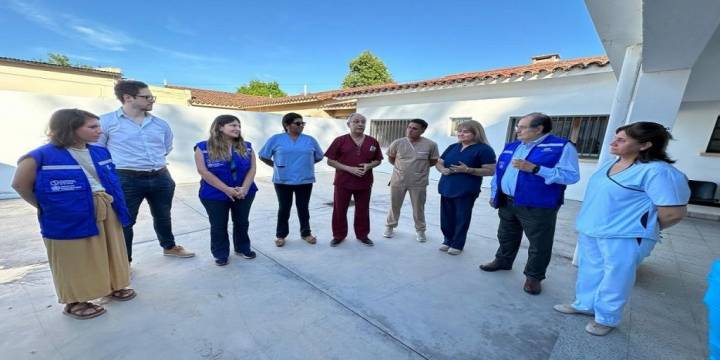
(531, 190)
(64, 195)
(231, 172)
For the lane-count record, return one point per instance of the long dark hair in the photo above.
(654, 133)
(217, 147)
(64, 123)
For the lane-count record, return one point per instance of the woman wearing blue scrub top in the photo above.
(292, 156)
(462, 166)
(627, 203)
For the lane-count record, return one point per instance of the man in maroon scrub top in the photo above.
(353, 156)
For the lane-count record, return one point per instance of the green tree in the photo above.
(262, 88)
(366, 69)
(63, 60)
(58, 59)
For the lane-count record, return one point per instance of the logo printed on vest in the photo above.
(64, 185)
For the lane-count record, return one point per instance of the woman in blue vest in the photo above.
(81, 210)
(226, 164)
(628, 201)
(462, 166)
(292, 155)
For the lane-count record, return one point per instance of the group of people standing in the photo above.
(88, 201)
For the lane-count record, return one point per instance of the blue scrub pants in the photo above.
(455, 216)
(606, 275)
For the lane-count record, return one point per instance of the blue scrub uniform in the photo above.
(618, 215)
(459, 191)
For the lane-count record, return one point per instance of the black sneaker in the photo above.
(221, 262)
(247, 254)
(336, 242)
(367, 242)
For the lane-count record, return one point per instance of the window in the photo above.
(388, 130)
(714, 143)
(454, 122)
(586, 132)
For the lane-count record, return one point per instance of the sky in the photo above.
(222, 45)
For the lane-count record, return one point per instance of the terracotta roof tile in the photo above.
(111, 74)
(296, 99)
(340, 105)
(214, 98)
(202, 97)
(449, 80)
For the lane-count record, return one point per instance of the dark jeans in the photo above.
(302, 200)
(158, 189)
(455, 216)
(539, 227)
(218, 215)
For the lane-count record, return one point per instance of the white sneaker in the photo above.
(388, 232)
(453, 251)
(443, 247)
(421, 236)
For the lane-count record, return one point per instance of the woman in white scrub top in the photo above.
(627, 202)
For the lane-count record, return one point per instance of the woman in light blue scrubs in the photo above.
(628, 201)
(292, 156)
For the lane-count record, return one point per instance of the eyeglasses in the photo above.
(147, 97)
(299, 123)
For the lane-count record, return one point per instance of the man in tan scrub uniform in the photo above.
(412, 157)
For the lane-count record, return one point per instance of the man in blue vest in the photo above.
(139, 143)
(528, 189)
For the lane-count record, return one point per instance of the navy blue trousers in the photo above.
(158, 189)
(218, 214)
(455, 216)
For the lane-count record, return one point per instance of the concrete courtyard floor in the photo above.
(398, 300)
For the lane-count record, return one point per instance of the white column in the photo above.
(620, 108)
(623, 97)
(658, 96)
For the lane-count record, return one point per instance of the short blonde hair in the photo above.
(476, 128)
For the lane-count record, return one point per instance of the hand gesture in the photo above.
(241, 192)
(231, 192)
(523, 165)
(462, 168)
(358, 171)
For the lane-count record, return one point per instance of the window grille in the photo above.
(388, 130)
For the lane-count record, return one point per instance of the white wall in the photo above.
(692, 133)
(494, 104)
(25, 118)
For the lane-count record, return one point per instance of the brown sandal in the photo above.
(79, 310)
(310, 239)
(279, 242)
(123, 294)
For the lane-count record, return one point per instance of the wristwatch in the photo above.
(536, 169)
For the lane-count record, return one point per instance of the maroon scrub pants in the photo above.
(341, 201)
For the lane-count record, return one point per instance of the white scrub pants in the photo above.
(606, 275)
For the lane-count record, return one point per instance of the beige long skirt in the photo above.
(93, 267)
